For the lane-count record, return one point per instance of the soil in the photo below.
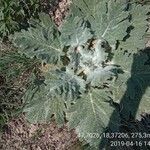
(57, 9)
(21, 135)
(60, 11)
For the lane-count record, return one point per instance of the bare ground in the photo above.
(20, 135)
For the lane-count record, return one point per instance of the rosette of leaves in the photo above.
(88, 62)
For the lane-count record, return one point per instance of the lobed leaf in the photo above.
(75, 31)
(136, 40)
(42, 41)
(48, 98)
(108, 18)
(91, 115)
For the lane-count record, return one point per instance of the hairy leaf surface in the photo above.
(107, 18)
(48, 98)
(75, 31)
(92, 62)
(42, 41)
(91, 114)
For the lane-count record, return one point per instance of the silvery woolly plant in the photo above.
(89, 60)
